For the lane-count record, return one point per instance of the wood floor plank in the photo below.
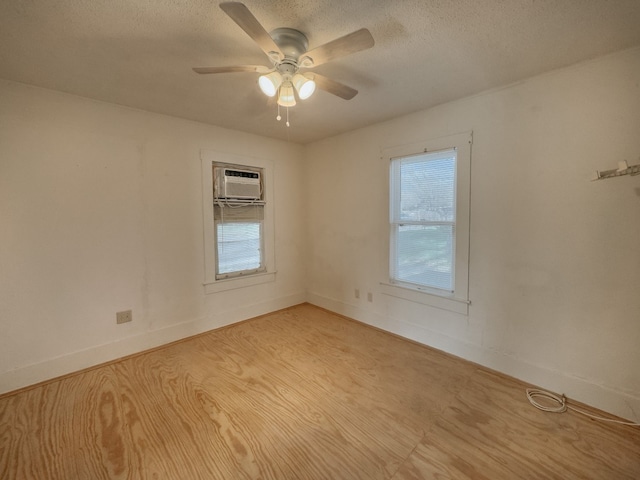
(365, 362)
(343, 429)
(299, 394)
(491, 431)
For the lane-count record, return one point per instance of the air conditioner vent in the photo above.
(236, 184)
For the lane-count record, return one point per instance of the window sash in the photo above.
(423, 220)
(424, 255)
(239, 238)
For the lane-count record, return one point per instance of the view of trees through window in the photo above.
(425, 223)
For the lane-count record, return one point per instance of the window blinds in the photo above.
(423, 219)
(239, 239)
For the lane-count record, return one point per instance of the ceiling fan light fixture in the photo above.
(286, 97)
(270, 83)
(304, 85)
(282, 80)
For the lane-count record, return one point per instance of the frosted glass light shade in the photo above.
(286, 97)
(305, 86)
(269, 83)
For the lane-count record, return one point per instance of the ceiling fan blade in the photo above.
(247, 22)
(336, 88)
(233, 69)
(340, 47)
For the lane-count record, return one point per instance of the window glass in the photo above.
(423, 219)
(239, 237)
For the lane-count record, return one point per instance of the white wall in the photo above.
(555, 258)
(101, 211)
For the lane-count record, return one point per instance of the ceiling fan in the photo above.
(287, 50)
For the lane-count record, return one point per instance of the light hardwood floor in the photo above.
(300, 394)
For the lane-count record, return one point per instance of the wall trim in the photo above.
(577, 389)
(78, 361)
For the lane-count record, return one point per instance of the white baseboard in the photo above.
(578, 389)
(599, 396)
(90, 357)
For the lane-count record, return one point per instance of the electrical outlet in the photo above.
(357, 293)
(370, 297)
(124, 317)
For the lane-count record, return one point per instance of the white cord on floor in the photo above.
(561, 401)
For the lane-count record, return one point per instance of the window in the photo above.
(239, 238)
(423, 219)
(238, 221)
(429, 222)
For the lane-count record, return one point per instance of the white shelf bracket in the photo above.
(623, 169)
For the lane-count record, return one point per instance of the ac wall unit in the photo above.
(231, 183)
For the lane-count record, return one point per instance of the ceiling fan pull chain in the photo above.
(278, 117)
(287, 116)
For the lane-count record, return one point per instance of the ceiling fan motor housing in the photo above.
(292, 42)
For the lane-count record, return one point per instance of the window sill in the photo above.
(450, 303)
(234, 283)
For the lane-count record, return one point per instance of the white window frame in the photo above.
(211, 283)
(457, 300)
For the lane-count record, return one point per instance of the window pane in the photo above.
(427, 188)
(424, 255)
(239, 246)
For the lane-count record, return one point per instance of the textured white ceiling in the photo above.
(139, 53)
